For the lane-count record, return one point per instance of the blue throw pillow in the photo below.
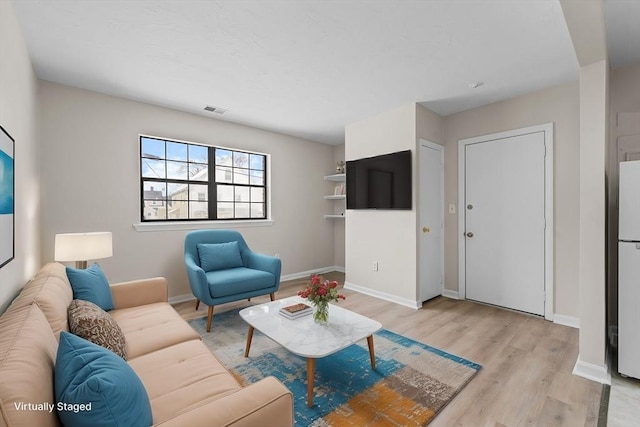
(218, 256)
(91, 285)
(96, 387)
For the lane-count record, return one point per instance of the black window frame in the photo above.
(211, 183)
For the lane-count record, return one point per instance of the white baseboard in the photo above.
(571, 321)
(181, 298)
(383, 295)
(450, 294)
(308, 273)
(592, 372)
(303, 274)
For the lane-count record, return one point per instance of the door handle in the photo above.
(426, 229)
(469, 234)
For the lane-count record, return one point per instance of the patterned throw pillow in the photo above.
(92, 323)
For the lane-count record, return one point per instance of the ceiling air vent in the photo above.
(216, 110)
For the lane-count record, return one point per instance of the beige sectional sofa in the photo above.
(186, 384)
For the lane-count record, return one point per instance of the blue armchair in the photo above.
(221, 268)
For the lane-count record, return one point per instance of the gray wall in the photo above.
(90, 182)
(18, 115)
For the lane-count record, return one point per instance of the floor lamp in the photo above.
(80, 247)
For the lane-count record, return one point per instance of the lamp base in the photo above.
(81, 265)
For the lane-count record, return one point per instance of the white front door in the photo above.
(504, 222)
(431, 220)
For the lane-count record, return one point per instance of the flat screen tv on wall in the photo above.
(380, 182)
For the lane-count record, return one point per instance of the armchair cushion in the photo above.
(234, 281)
(91, 285)
(219, 256)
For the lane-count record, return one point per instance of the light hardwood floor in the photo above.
(526, 361)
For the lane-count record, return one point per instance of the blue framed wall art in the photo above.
(7, 197)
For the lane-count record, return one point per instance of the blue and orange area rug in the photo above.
(412, 381)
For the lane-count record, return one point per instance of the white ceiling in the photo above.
(303, 68)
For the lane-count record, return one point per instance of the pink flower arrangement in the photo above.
(319, 292)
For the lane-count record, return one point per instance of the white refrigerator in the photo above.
(629, 270)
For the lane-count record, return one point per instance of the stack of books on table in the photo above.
(296, 310)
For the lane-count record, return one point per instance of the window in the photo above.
(176, 183)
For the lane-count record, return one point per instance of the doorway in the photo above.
(505, 219)
(625, 131)
(431, 226)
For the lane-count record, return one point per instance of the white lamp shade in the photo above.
(83, 246)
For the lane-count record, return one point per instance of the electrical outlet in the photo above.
(375, 266)
(452, 208)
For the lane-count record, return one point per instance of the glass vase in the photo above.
(321, 312)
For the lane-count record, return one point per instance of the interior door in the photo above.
(431, 220)
(505, 222)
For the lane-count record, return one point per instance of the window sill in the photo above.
(197, 225)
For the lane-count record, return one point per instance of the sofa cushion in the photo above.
(88, 374)
(218, 256)
(92, 323)
(237, 280)
(151, 327)
(27, 357)
(50, 289)
(182, 377)
(91, 284)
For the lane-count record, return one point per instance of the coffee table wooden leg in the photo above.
(372, 353)
(249, 337)
(311, 372)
